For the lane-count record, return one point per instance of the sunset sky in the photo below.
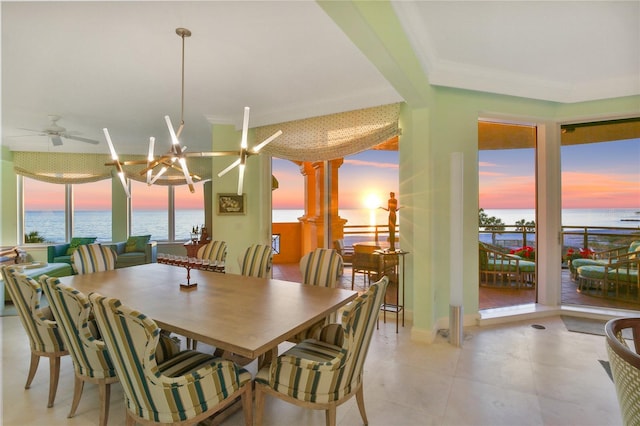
(599, 175)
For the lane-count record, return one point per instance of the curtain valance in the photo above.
(70, 168)
(332, 136)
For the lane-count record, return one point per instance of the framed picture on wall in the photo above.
(231, 204)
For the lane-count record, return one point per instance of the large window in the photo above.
(189, 208)
(150, 210)
(44, 211)
(91, 213)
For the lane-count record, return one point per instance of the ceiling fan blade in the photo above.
(55, 140)
(266, 142)
(78, 138)
(231, 166)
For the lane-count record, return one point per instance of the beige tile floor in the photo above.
(509, 374)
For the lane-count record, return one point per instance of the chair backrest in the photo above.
(72, 311)
(213, 250)
(44, 334)
(364, 258)
(256, 261)
(181, 388)
(91, 258)
(131, 339)
(321, 267)
(625, 366)
(358, 322)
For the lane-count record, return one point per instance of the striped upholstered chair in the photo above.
(621, 333)
(321, 267)
(325, 372)
(256, 261)
(43, 331)
(91, 361)
(183, 390)
(213, 250)
(91, 258)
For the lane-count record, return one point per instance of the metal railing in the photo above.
(374, 233)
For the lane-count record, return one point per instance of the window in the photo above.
(44, 211)
(149, 210)
(91, 213)
(189, 209)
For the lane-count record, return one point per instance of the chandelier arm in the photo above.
(228, 169)
(210, 154)
(152, 142)
(256, 149)
(114, 156)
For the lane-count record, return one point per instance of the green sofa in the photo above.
(61, 253)
(129, 254)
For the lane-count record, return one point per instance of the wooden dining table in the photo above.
(246, 316)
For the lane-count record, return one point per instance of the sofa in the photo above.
(61, 253)
(137, 250)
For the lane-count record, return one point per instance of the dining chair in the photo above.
(183, 390)
(44, 334)
(91, 258)
(320, 267)
(213, 250)
(624, 359)
(256, 261)
(91, 361)
(324, 373)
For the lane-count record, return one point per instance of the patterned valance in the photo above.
(332, 136)
(82, 168)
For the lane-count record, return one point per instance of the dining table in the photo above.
(246, 316)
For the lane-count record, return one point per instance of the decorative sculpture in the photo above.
(392, 208)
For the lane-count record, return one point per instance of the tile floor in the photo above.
(509, 374)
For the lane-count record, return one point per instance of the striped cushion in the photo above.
(321, 267)
(213, 250)
(72, 311)
(173, 391)
(91, 258)
(44, 334)
(256, 261)
(320, 371)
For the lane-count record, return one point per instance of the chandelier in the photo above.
(176, 157)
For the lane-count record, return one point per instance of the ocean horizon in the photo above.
(50, 224)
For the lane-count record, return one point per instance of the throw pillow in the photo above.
(78, 241)
(136, 243)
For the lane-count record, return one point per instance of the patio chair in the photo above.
(183, 390)
(366, 262)
(503, 269)
(601, 279)
(44, 334)
(605, 257)
(345, 252)
(625, 365)
(324, 373)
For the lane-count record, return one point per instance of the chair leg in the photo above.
(360, 400)
(104, 391)
(54, 375)
(247, 404)
(33, 367)
(78, 386)
(259, 397)
(353, 276)
(330, 415)
(130, 421)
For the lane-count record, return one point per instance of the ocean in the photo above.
(50, 224)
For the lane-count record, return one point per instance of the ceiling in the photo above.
(118, 64)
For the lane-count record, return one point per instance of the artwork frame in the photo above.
(231, 204)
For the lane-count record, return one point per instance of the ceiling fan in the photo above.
(56, 133)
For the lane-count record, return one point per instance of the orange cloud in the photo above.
(371, 164)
